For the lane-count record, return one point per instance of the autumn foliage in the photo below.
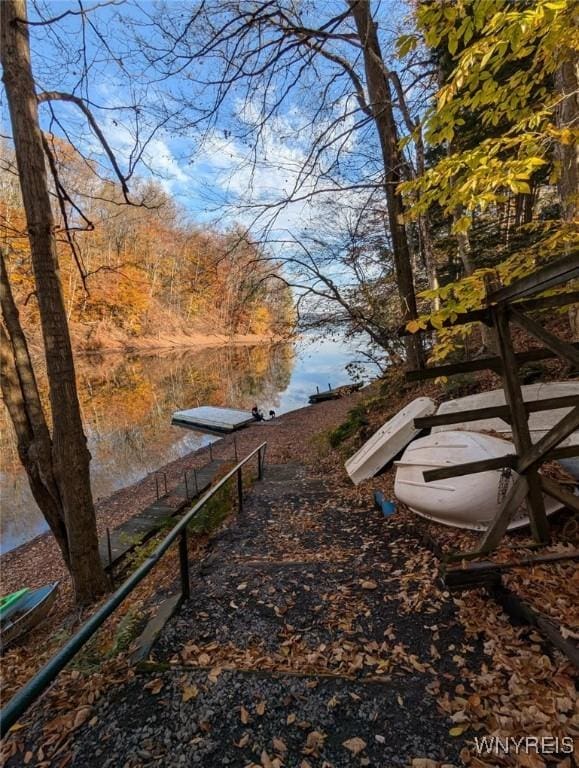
(144, 271)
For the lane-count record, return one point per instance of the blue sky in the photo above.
(205, 168)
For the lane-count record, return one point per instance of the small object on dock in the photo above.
(334, 394)
(388, 507)
(25, 612)
(212, 419)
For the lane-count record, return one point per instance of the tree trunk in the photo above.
(70, 455)
(383, 113)
(567, 81)
(22, 400)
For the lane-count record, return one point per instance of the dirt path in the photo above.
(313, 637)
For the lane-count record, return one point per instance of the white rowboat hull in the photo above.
(540, 422)
(388, 441)
(471, 501)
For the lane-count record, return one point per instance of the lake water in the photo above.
(127, 401)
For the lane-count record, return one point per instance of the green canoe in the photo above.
(25, 612)
(8, 601)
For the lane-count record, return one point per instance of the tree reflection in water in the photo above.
(127, 401)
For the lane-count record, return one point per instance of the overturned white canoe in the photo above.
(540, 422)
(470, 501)
(388, 441)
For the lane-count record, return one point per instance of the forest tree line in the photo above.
(143, 270)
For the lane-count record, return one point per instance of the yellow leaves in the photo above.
(458, 730)
(355, 745)
(405, 44)
(314, 742)
(462, 224)
(155, 686)
(489, 80)
(420, 323)
(214, 674)
(189, 693)
(17, 727)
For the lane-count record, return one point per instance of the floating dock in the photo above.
(212, 419)
(334, 394)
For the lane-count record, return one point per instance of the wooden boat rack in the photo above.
(506, 305)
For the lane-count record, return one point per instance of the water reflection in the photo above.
(127, 401)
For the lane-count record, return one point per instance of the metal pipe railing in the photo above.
(27, 695)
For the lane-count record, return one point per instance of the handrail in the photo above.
(20, 702)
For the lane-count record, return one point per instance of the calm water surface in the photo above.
(127, 402)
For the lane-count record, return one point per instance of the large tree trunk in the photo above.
(70, 455)
(383, 112)
(22, 400)
(567, 81)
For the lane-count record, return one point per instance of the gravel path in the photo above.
(316, 635)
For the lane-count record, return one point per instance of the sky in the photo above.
(205, 167)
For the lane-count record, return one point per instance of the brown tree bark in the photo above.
(567, 82)
(70, 455)
(22, 400)
(383, 113)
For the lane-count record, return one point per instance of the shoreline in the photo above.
(170, 342)
(126, 502)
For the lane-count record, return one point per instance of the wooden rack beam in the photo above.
(470, 468)
(557, 272)
(483, 315)
(561, 348)
(495, 411)
(484, 364)
(484, 465)
(555, 491)
(548, 442)
(522, 613)
(476, 574)
(498, 527)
